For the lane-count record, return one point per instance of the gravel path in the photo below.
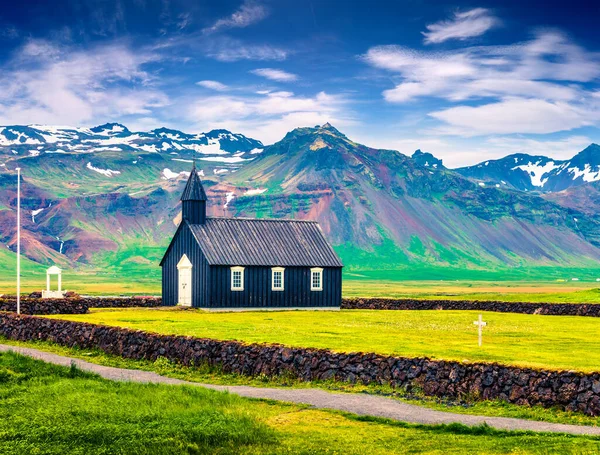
(361, 404)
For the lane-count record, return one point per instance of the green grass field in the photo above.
(213, 374)
(53, 410)
(135, 271)
(554, 342)
(354, 285)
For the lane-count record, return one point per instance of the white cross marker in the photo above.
(480, 325)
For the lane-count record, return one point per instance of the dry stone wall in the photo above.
(564, 389)
(76, 305)
(553, 309)
(45, 306)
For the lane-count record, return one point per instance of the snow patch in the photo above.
(212, 148)
(254, 192)
(35, 213)
(481, 184)
(220, 171)
(224, 159)
(34, 152)
(228, 198)
(536, 171)
(106, 172)
(256, 151)
(587, 174)
(168, 174)
(148, 148)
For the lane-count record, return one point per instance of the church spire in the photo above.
(193, 199)
(194, 191)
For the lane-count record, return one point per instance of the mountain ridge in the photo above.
(113, 204)
(526, 172)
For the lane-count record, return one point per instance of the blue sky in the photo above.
(465, 81)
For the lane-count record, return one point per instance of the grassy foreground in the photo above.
(54, 410)
(554, 342)
(212, 374)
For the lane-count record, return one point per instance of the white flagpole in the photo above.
(18, 240)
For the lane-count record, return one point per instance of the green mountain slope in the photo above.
(382, 210)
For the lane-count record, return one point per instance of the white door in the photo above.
(185, 282)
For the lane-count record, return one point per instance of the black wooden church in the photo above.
(245, 263)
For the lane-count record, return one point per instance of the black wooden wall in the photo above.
(257, 291)
(184, 243)
(211, 285)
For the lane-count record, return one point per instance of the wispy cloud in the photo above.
(213, 85)
(249, 13)
(514, 115)
(232, 50)
(461, 26)
(47, 83)
(270, 116)
(275, 74)
(539, 82)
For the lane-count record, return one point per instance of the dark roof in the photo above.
(264, 242)
(194, 191)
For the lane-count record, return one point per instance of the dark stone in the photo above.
(557, 309)
(450, 380)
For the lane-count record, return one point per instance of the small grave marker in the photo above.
(480, 325)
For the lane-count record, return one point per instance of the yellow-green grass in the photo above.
(95, 283)
(553, 342)
(55, 410)
(213, 374)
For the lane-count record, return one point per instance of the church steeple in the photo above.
(193, 199)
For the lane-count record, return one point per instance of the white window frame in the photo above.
(241, 270)
(318, 270)
(277, 270)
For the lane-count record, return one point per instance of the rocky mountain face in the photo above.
(107, 198)
(427, 160)
(538, 173)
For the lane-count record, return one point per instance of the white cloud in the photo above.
(545, 76)
(560, 149)
(249, 13)
(275, 74)
(269, 117)
(463, 25)
(213, 85)
(46, 83)
(514, 115)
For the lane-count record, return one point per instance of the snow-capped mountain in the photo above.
(538, 173)
(106, 198)
(217, 146)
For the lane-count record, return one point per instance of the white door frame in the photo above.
(184, 282)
